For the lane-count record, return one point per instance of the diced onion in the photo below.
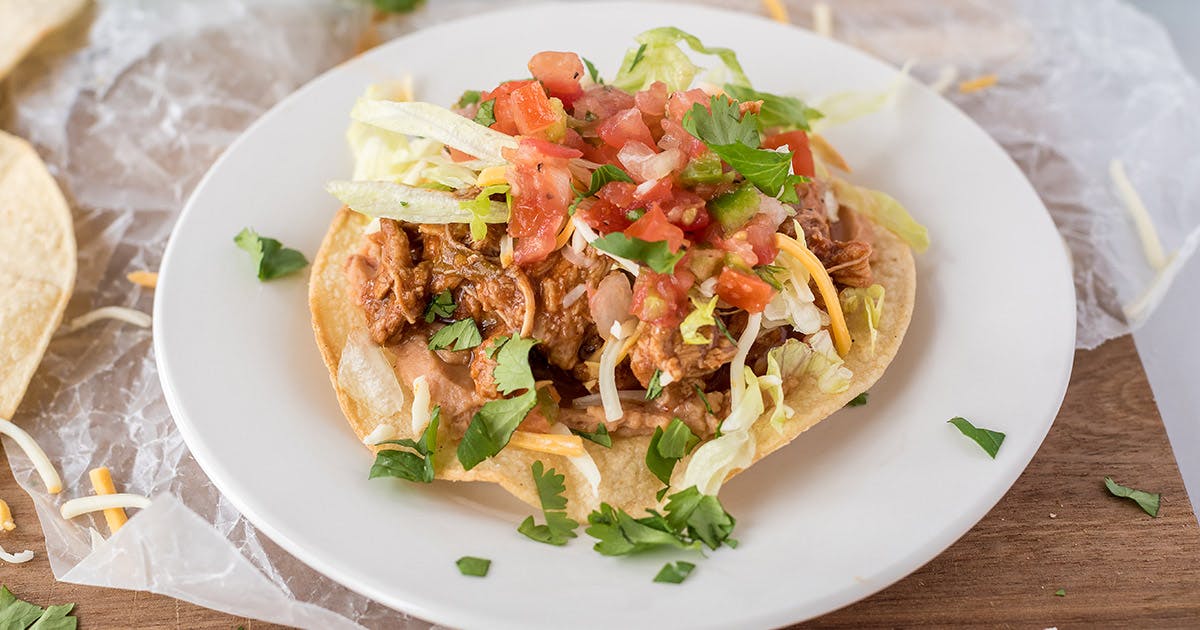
(367, 376)
(575, 256)
(737, 386)
(582, 462)
(127, 315)
(608, 370)
(420, 404)
(591, 400)
(381, 433)
(573, 295)
(41, 463)
(101, 502)
(16, 558)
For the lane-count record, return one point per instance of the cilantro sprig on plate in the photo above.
(690, 519)
(559, 528)
(271, 259)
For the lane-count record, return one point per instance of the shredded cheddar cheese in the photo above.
(566, 445)
(777, 11)
(492, 176)
(837, 321)
(102, 483)
(6, 517)
(978, 84)
(148, 279)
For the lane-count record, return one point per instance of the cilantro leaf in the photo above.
(701, 516)
(724, 331)
(604, 174)
(271, 258)
(674, 572)
(492, 426)
(559, 528)
(987, 439)
(56, 618)
(700, 392)
(472, 566)
(486, 115)
(464, 334)
(600, 436)
(20, 614)
(655, 255)
(442, 305)
(619, 534)
(637, 57)
(769, 274)
(469, 97)
(1062, 592)
(512, 370)
(668, 447)
(769, 171)
(654, 388)
(722, 124)
(415, 467)
(777, 112)
(397, 6)
(859, 400)
(592, 72)
(1148, 501)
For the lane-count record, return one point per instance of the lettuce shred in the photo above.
(884, 210)
(868, 301)
(659, 58)
(700, 317)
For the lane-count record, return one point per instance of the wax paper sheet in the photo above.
(133, 102)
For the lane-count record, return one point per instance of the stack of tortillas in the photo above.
(37, 242)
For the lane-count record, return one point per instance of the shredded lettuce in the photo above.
(480, 207)
(659, 58)
(438, 124)
(408, 203)
(884, 210)
(790, 359)
(734, 450)
(826, 365)
(870, 301)
(846, 106)
(794, 303)
(700, 317)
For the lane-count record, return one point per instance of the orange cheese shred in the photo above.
(978, 84)
(102, 483)
(837, 321)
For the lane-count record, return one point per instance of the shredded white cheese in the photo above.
(101, 502)
(16, 558)
(128, 315)
(41, 463)
(420, 405)
(573, 295)
(738, 386)
(381, 433)
(583, 463)
(1151, 244)
(608, 370)
(708, 288)
(823, 19)
(946, 78)
(665, 378)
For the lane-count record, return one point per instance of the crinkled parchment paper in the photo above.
(131, 105)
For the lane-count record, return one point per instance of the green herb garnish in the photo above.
(777, 112)
(486, 115)
(703, 398)
(656, 255)
(397, 6)
(724, 331)
(600, 436)
(592, 72)
(512, 371)
(604, 174)
(1148, 501)
(1062, 592)
(464, 334)
(442, 305)
(690, 519)
(559, 528)
(271, 258)
(674, 572)
(470, 97)
(417, 466)
(667, 447)
(476, 567)
(859, 400)
(770, 275)
(654, 388)
(987, 439)
(637, 57)
(635, 214)
(492, 426)
(19, 614)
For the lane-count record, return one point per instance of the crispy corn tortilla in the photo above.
(626, 482)
(24, 23)
(37, 265)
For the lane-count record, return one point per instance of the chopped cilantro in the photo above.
(271, 258)
(674, 572)
(987, 439)
(486, 115)
(600, 436)
(668, 447)
(722, 124)
(464, 334)
(604, 174)
(859, 400)
(592, 72)
(476, 567)
(416, 467)
(656, 255)
(770, 275)
(18, 614)
(492, 426)
(701, 516)
(512, 370)
(1148, 501)
(470, 97)
(777, 112)
(690, 520)
(397, 6)
(637, 57)
(700, 392)
(1062, 592)
(724, 331)
(635, 214)
(442, 305)
(559, 528)
(654, 389)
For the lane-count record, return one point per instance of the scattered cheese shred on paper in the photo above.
(978, 84)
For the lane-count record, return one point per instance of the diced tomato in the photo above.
(652, 102)
(621, 194)
(653, 226)
(644, 163)
(571, 138)
(760, 234)
(531, 109)
(651, 192)
(744, 290)
(676, 137)
(797, 142)
(560, 72)
(624, 127)
(679, 102)
(541, 193)
(738, 246)
(503, 110)
(686, 209)
(599, 152)
(662, 298)
(601, 101)
(604, 216)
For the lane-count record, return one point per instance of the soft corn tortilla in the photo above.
(24, 23)
(626, 482)
(37, 265)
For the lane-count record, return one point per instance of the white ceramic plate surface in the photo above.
(855, 504)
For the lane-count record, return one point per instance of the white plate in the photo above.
(854, 505)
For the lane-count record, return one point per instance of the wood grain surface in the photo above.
(1057, 528)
